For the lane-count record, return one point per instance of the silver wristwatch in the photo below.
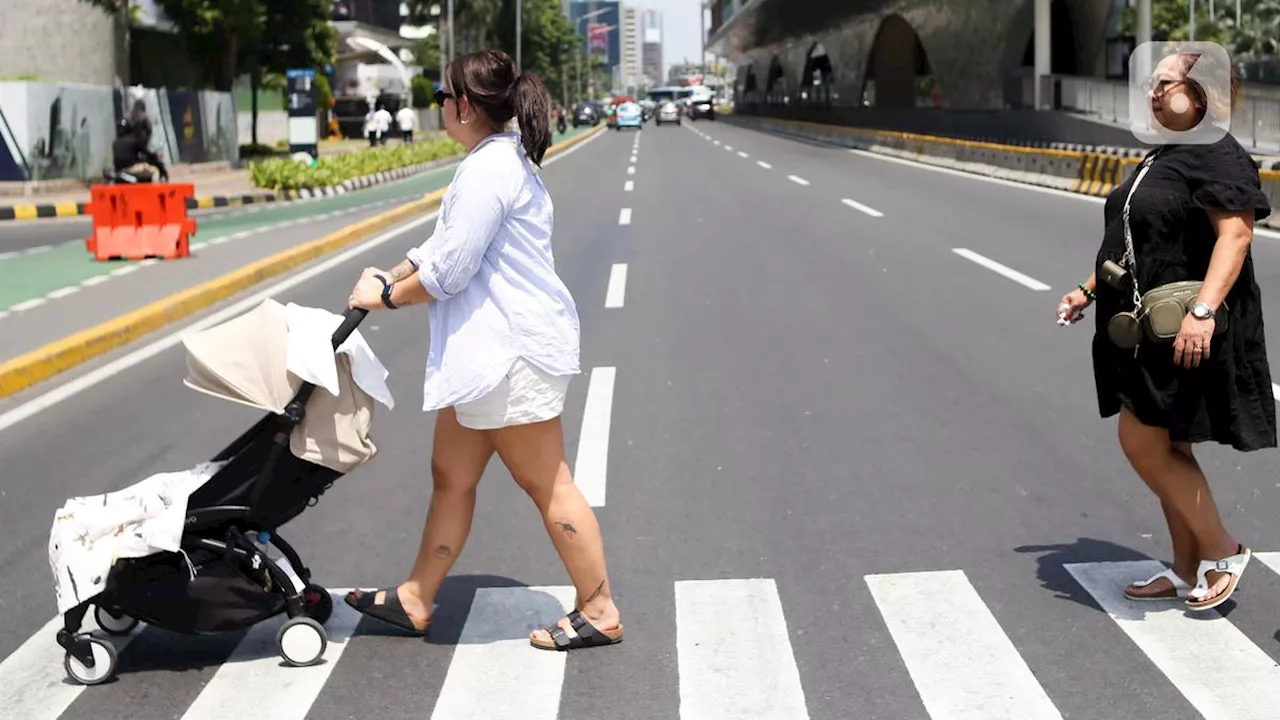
(1201, 311)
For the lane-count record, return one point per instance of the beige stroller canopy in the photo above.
(245, 360)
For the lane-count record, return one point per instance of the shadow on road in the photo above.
(1053, 574)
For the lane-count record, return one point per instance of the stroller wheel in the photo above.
(104, 661)
(301, 641)
(317, 603)
(113, 623)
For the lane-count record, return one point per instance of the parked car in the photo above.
(668, 112)
(629, 115)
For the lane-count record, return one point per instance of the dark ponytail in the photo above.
(532, 109)
(488, 79)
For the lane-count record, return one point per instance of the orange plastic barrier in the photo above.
(146, 220)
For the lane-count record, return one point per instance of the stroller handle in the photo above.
(350, 320)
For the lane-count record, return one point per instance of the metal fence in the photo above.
(1256, 123)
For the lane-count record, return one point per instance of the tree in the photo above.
(1256, 36)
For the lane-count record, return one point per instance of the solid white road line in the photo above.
(962, 663)
(631, 185)
(743, 155)
(7, 255)
(254, 682)
(33, 682)
(118, 272)
(1241, 683)
(494, 672)
(617, 291)
(110, 370)
(862, 208)
(734, 653)
(592, 463)
(764, 165)
(631, 170)
(95, 280)
(624, 216)
(797, 180)
(996, 267)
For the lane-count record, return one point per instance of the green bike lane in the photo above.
(34, 278)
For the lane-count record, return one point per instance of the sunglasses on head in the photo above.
(442, 95)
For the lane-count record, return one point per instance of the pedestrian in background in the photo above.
(504, 346)
(1189, 218)
(408, 120)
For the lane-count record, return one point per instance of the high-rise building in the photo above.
(651, 46)
(631, 78)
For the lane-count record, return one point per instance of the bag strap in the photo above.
(1130, 259)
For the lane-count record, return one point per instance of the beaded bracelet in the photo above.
(1087, 292)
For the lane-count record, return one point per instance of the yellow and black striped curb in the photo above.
(43, 363)
(1085, 171)
(32, 212)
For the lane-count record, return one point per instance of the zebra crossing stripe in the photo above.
(961, 661)
(1213, 664)
(255, 682)
(1270, 559)
(495, 673)
(33, 681)
(734, 652)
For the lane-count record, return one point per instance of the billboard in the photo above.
(598, 38)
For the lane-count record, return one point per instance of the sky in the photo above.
(680, 30)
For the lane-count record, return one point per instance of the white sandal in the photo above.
(1180, 587)
(1233, 566)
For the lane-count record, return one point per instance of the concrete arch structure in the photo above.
(974, 48)
(817, 77)
(896, 60)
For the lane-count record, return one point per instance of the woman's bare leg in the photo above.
(534, 453)
(1176, 479)
(458, 459)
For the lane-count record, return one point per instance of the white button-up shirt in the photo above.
(490, 268)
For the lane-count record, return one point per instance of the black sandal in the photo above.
(586, 635)
(390, 611)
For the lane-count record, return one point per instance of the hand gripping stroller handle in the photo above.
(350, 320)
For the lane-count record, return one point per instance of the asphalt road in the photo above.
(851, 473)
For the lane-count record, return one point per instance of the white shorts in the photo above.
(526, 395)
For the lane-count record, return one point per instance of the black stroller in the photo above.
(222, 580)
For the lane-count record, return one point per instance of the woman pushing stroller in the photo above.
(504, 346)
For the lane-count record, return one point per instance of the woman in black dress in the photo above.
(1191, 218)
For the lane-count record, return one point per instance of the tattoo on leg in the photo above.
(443, 551)
(568, 528)
(595, 594)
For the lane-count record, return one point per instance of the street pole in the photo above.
(702, 35)
(519, 67)
(1193, 20)
(1237, 13)
(451, 47)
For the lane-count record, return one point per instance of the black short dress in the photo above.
(1228, 399)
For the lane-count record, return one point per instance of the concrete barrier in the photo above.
(1093, 171)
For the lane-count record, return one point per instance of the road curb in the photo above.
(43, 363)
(64, 210)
